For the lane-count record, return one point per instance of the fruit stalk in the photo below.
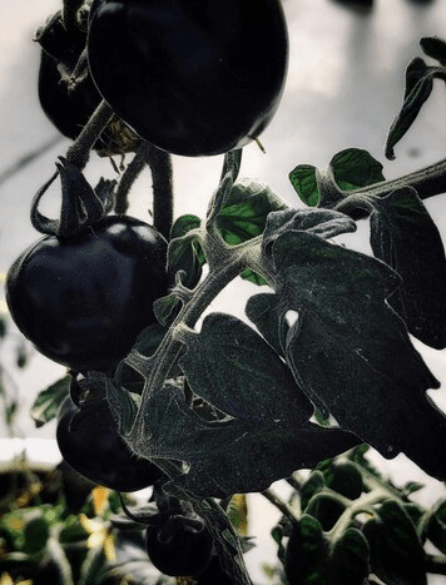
(79, 152)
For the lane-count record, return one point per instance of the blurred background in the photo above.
(345, 86)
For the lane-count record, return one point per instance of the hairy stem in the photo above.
(158, 366)
(79, 152)
(160, 163)
(129, 176)
(362, 504)
(428, 182)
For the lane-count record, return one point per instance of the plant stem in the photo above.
(160, 163)
(428, 182)
(362, 504)
(131, 173)
(69, 13)
(282, 506)
(156, 368)
(79, 152)
(295, 482)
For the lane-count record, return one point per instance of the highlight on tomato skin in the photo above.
(89, 443)
(83, 300)
(193, 78)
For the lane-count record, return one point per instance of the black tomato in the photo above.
(83, 300)
(69, 111)
(193, 77)
(179, 549)
(89, 443)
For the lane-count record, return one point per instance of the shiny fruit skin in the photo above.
(83, 300)
(194, 78)
(89, 443)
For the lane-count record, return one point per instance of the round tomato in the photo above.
(178, 549)
(69, 111)
(82, 300)
(89, 443)
(194, 78)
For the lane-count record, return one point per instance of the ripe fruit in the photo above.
(82, 300)
(89, 442)
(193, 78)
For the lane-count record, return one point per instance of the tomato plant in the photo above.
(82, 300)
(200, 78)
(227, 406)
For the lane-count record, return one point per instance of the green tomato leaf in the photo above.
(185, 252)
(232, 367)
(339, 349)
(358, 456)
(306, 558)
(146, 344)
(251, 276)
(257, 455)
(166, 309)
(72, 531)
(47, 404)
(244, 215)
(344, 477)
(183, 225)
(304, 180)
(403, 234)
(324, 223)
(354, 168)
(36, 533)
(435, 48)
(262, 310)
(122, 404)
(349, 560)
(419, 85)
(436, 527)
(412, 486)
(230, 455)
(311, 486)
(396, 554)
